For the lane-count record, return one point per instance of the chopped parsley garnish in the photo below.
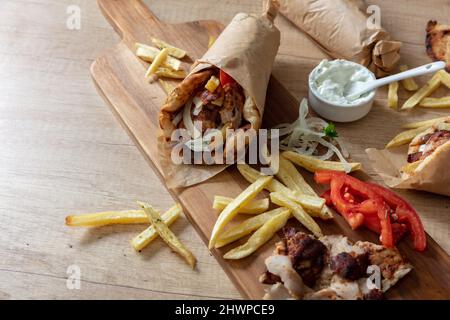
(330, 131)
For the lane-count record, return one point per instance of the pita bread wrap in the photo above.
(245, 51)
(428, 173)
(340, 28)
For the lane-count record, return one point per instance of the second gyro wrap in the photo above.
(421, 165)
(226, 89)
(340, 28)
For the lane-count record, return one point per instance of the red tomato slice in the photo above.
(405, 212)
(373, 205)
(225, 78)
(327, 196)
(386, 238)
(399, 230)
(325, 176)
(372, 222)
(354, 219)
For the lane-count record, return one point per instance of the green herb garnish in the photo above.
(330, 131)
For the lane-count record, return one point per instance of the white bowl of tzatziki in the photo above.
(327, 90)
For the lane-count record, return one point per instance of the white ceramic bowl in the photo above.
(336, 111)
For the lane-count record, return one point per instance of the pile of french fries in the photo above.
(421, 96)
(294, 196)
(159, 226)
(164, 61)
(414, 129)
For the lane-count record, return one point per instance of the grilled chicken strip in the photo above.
(426, 145)
(233, 104)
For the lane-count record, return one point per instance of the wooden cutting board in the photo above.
(119, 76)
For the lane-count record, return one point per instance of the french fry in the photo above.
(148, 53)
(247, 227)
(409, 84)
(173, 51)
(435, 102)
(145, 52)
(261, 236)
(410, 167)
(423, 92)
(393, 95)
(233, 208)
(107, 218)
(312, 164)
(445, 77)
(297, 211)
(166, 72)
(159, 59)
(312, 204)
(429, 123)
(148, 235)
(406, 136)
(289, 175)
(253, 207)
(167, 235)
(211, 41)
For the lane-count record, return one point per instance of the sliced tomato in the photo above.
(225, 78)
(415, 226)
(399, 230)
(327, 196)
(372, 222)
(386, 238)
(325, 176)
(355, 219)
(405, 213)
(378, 208)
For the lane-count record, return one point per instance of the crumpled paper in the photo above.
(431, 175)
(340, 28)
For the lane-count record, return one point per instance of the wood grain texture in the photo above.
(62, 151)
(119, 77)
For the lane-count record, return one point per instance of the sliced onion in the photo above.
(334, 148)
(305, 134)
(327, 155)
(187, 120)
(198, 106)
(344, 149)
(177, 119)
(201, 143)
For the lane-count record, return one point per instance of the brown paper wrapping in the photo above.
(431, 175)
(246, 50)
(339, 27)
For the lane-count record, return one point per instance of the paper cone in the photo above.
(246, 50)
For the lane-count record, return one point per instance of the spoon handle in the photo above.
(428, 68)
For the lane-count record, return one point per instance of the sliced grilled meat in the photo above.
(374, 294)
(269, 278)
(427, 144)
(349, 266)
(207, 97)
(208, 118)
(438, 42)
(307, 255)
(233, 105)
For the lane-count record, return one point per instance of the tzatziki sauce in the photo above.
(331, 78)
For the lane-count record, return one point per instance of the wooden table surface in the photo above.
(62, 151)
